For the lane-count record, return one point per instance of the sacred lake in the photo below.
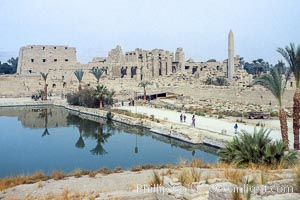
(52, 138)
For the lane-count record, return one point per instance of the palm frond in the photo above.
(255, 148)
(79, 74)
(291, 54)
(273, 82)
(144, 84)
(101, 90)
(46, 132)
(97, 72)
(44, 76)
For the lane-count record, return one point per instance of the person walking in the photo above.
(235, 128)
(184, 118)
(181, 118)
(193, 121)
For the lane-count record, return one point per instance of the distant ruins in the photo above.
(139, 64)
(162, 67)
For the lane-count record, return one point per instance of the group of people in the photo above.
(183, 119)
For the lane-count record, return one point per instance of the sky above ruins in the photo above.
(200, 27)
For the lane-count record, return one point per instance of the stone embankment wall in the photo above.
(187, 134)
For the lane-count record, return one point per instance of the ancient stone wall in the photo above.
(34, 59)
(139, 64)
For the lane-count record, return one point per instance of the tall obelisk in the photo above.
(230, 67)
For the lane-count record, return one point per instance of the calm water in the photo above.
(48, 139)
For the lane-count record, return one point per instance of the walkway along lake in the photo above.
(52, 138)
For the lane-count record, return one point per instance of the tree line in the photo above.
(9, 67)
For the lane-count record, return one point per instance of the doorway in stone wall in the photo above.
(133, 71)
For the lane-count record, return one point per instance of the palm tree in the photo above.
(281, 65)
(46, 132)
(97, 73)
(274, 83)
(256, 148)
(80, 142)
(101, 139)
(109, 97)
(45, 76)
(292, 56)
(100, 91)
(44, 115)
(79, 75)
(144, 84)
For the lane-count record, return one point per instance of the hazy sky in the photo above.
(200, 27)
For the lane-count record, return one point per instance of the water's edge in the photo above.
(189, 135)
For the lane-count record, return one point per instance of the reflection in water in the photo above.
(136, 149)
(46, 132)
(74, 142)
(80, 142)
(93, 130)
(53, 117)
(44, 115)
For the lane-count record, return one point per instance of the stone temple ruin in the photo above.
(60, 62)
(130, 67)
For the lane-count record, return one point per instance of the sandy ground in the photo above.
(212, 124)
(135, 185)
(124, 183)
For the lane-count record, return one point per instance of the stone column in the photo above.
(138, 73)
(163, 66)
(155, 65)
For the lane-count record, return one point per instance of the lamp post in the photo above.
(136, 149)
(135, 97)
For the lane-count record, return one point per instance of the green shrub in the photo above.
(274, 114)
(84, 98)
(88, 98)
(152, 117)
(257, 148)
(200, 113)
(209, 81)
(72, 98)
(220, 81)
(109, 116)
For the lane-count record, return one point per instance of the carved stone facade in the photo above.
(34, 59)
(139, 64)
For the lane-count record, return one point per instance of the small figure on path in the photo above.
(235, 128)
(193, 121)
(181, 118)
(184, 118)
